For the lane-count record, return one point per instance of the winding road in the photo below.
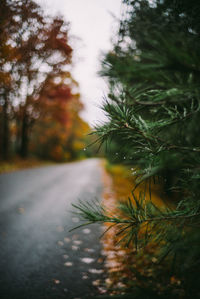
(39, 257)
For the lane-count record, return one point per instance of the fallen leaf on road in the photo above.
(121, 285)
(87, 260)
(96, 271)
(85, 277)
(100, 260)
(68, 264)
(77, 242)
(74, 247)
(101, 290)
(89, 250)
(96, 282)
(60, 243)
(121, 252)
(67, 240)
(111, 254)
(86, 230)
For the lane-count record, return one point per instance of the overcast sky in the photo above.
(93, 23)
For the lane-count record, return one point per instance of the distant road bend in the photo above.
(39, 258)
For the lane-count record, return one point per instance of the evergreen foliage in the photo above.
(153, 111)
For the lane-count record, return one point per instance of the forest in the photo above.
(40, 101)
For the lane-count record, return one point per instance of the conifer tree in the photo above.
(153, 110)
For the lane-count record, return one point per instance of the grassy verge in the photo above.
(137, 272)
(18, 163)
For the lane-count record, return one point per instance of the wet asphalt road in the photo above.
(39, 258)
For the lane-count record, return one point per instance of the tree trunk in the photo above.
(24, 137)
(5, 131)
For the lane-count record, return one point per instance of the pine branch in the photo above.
(138, 215)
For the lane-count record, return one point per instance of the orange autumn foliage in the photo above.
(59, 131)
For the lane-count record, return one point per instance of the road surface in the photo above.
(39, 258)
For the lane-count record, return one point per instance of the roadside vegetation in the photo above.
(18, 163)
(130, 269)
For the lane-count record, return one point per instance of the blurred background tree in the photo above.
(59, 133)
(39, 112)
